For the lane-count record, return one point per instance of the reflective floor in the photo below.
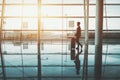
(20, 61)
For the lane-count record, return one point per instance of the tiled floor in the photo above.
(20, 62)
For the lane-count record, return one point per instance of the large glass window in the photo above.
(57, 21)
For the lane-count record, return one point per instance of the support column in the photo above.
(1, 54)
(98, 39)
(86, 23)
(39, 55)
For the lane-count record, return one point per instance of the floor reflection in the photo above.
(19, 62)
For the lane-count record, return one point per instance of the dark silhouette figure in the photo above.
(78, 34)
(73, 40)
(77, 64)
(77, 60)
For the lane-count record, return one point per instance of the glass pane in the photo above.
(67, 10)
(13, 60)
(0, 10)
(92, 24)
(70, 72)
(30, 60)
(16, 47)
(51, 10)
(64, 1)
(29, 10)
(92, 1)
(17, 11)
(13, 10)
(60, 78)
(112, 23)
(20, 1)
(53, 48)
(112, 11)
(29, 24)
(52, 79)
(12, 23)
(0, 1)
(52, 23)
(111, 60)
(18, 23)
(1, 70)
(13, 47)
(73, 10)
(30, 1)
(51, 71)
(51, 60)
(92, 11)
(91, 49)
(67, 22)
(51, 1)
(29, 47)
(0, 65)
(30, 72)
(13, 1)
(113, 49)
(73, 1)
(56, 23)
(112, 1)
(14, 72)
(110, 70)
(68, 62)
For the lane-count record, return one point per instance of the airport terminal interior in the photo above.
(37, 40)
